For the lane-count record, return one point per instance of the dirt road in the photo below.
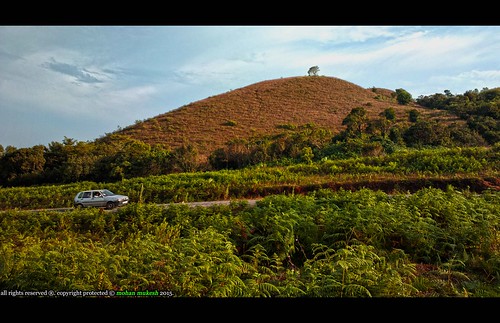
(251, 202)
(210, 203)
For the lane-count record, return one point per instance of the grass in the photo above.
(262, 108)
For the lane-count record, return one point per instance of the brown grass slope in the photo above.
(261, 108)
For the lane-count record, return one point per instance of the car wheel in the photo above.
(79, 206)
(110, 205)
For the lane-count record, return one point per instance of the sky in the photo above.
(82, 82)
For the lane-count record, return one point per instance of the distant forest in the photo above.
(117, 157)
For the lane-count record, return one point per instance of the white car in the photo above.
(99, 198)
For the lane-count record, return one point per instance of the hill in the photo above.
(264, 108)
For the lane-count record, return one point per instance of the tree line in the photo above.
(480, 109)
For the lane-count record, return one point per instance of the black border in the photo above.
(256, 309)
(248, 13)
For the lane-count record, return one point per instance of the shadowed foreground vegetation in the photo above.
(433, 243)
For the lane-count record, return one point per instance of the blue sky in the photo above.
(82, 82)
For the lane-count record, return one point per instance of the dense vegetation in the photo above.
(388, 207)
(405, 170)
(433, 243)
(481, 109)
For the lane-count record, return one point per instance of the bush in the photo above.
(403, 96)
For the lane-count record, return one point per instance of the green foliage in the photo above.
(299, 143)
(426, 133)
(398, 166)
(230, 123)
(379, 127)
(403, 96)
(114, 158)
(481, 109)
(487, 126)
(413, 115)
(356, 271)
(389, 114)
(465, 136)
(325, 244)
(355, 122)
(185, 158)
(22, 166)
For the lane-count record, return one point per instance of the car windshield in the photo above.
(107, 192)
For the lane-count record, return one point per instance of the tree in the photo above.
(426, 133)
(413, 115)
(389, 114)
(356, 121)
(313, 71)
(403, 96)
(379, 126)
(185, 158)
(22, 166)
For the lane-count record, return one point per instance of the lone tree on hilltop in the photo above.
(313, 71)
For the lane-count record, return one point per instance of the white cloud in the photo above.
(325, 34)
(469, 80)
(129, 98)
(278, 48)
(401, 57)
(64, 82)
(411, 53)
(492, 76)
(81, 74)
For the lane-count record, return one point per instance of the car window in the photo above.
(80, 195)
(96, 194)
(86, 195)
(108, 193)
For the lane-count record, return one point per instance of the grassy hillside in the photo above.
(264, 108)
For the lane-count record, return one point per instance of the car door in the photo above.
(86, 199)
(98, 199)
